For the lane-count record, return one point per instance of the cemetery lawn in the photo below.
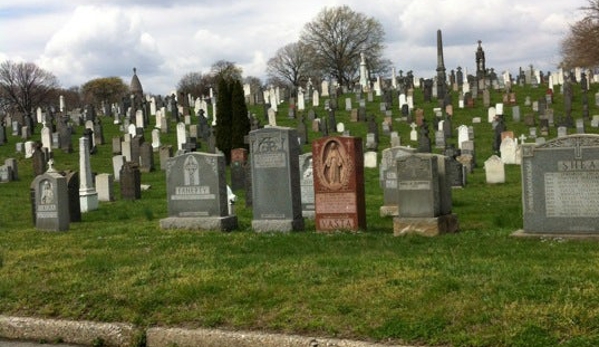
(479, 287)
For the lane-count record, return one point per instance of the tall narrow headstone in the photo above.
(339, 183)
(307, 185)
(276, 195)
(88, 197)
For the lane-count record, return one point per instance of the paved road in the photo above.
(7, 343)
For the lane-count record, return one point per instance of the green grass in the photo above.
(479, 287)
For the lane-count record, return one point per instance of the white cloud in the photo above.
(81, 40)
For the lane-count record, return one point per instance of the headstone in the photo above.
(370, 159)
(463, 135)
(105, 187)
(239, 159)
(424, 192)
(146, 157)
(580, 126)
(307, 185)
(508, 150)
(166, 152)
(276, 195)
(339, 183)
(388, 178)
(197, 193)
(559, 186)
(348, 105)
(494, 170)
(516, 113)
(181, 135)
(88, 197)
(130, 179)
(562, 131)
(395, 139)
(51, 202)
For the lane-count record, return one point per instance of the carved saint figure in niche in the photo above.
(334, 165)
(47, 193)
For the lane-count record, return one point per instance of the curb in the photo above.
(165, 337)
(88, 333)
(73, 332)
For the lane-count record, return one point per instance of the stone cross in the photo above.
(522, 138)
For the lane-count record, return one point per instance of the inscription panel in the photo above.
(572, 194)
(336, 202)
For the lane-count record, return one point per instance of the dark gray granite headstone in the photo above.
(197, 193)
(388, 178)
(276, 191)
(130, 178)
(51, 202)
(559, 185)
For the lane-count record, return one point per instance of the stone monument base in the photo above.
(88, 201)
(555, 235)
(389, 210)
(283, 225)
(226, 223)
(427, 226)
(309, 214)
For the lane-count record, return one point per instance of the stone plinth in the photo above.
(432, 226)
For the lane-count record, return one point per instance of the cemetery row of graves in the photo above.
(319, 166)
(132, 250)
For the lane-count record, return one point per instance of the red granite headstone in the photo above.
(338, 166)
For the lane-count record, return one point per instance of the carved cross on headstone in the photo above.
(522, 138)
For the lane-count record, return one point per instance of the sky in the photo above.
(85, 39)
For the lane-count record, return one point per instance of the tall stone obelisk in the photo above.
(441, 77)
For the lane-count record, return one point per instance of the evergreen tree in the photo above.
(240, 121)
(224, 119)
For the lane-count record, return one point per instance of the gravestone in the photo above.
(239, 158)
(370, 159)
(424, 196)
(51, 201)
(339, 183)
(388, 178)
(130, 178)
(197, 193)
(105, 187)
(276, 195)
(72, 178)
(88, 197)
(117, 164)
(508, 150)
(146, 157)
(559, 186)
(307, 185)
(166, 152)
(494, 170)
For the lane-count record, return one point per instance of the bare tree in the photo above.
(336, 38)
(24, 86)
(195, 83)
(580, 47)
(291, 63)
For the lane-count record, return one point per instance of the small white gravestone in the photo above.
(340, 127)
(494, 170)
(463, 135)
(413, 132)
(28, 149)
(155, 140)
(132, 130)
(315, 98)
(370, 159)
(181, 135)
(508, 149)
(491, 114)
(272, 117)
(476, 120)
(395, 139)
(499, 108)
